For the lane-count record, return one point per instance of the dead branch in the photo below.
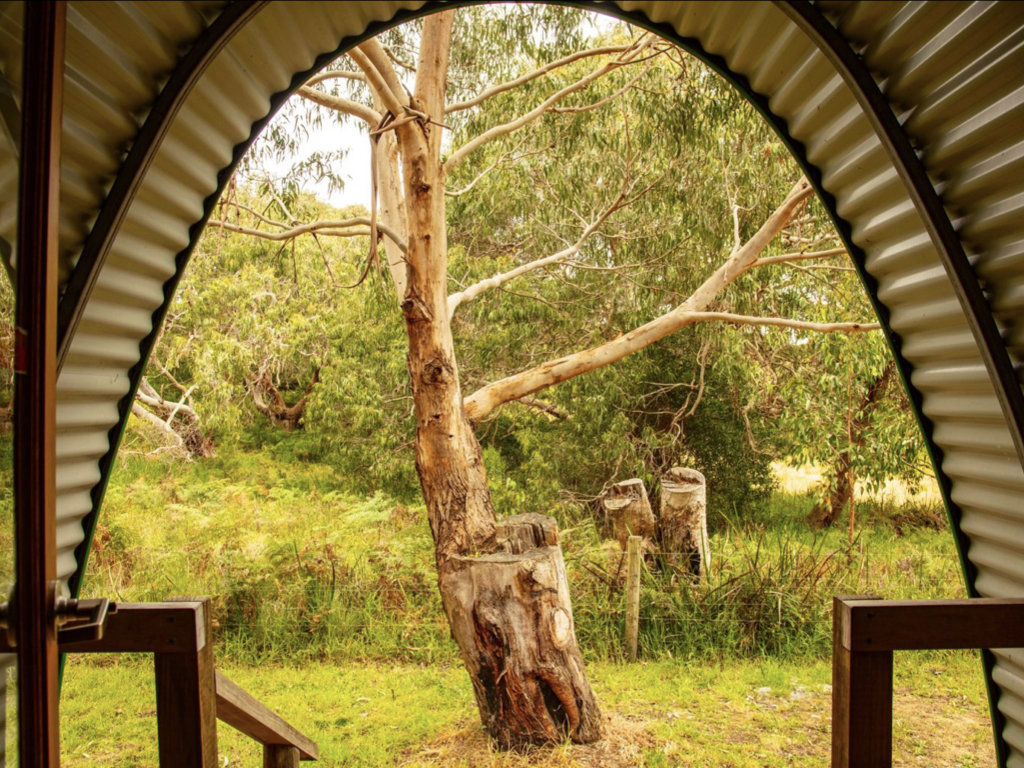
(337, 228)
(546, 407)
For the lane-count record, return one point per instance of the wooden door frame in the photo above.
(36, 383)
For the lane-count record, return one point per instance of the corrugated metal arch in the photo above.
(952, 74)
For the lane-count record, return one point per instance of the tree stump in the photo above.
(684, 520)
(511, 616)
(628, 511)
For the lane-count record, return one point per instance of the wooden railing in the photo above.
(190, 695)
(865, 633)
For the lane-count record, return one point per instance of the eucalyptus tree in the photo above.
(563, 167)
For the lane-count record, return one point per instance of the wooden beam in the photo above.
(174, 627)
(861, 701)
(911, 625)
(186, 703)
(240, 710)
(35, 474)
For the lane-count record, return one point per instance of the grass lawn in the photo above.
(326, 608)
(736, 713)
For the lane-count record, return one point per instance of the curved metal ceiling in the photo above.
(907, 116)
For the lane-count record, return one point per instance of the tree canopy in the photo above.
(701, 172)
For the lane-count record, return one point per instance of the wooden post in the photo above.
(633, 596)
(35, 385)
(3, 711)
(186, 700)
(280, 756)
(861, 700)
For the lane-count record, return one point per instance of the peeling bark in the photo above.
(684, 520)
(511, 615)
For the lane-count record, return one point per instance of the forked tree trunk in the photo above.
(839, 490)
(270, 402)
(684, 520)
(840, 494)
(628, 512)
(510, 613)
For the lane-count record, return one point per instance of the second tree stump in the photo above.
(684, 520)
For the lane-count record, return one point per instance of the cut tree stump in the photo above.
(684, 520)
(510, 614)
(628, 511)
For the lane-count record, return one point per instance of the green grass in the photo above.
(301, 571)
(742, 714)
(326, 608)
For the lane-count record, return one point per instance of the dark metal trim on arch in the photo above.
(877, 110)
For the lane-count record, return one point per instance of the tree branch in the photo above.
(469, 294)
(781, 322)
(332, 74)
(601, 102)
(501, 130)
(486, 399)
(157, 422)
(380, 75)
(370, 116)
(800, 256)
(546, 407)
(494, 90)
(333, 228)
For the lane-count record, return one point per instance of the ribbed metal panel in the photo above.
(953, 71)
(956, 68)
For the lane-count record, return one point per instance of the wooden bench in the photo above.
(190, 694)
(866, 631)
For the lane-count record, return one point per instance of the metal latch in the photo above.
(7, 621)
(79, 621)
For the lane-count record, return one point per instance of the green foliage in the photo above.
(300, 569)
(725, 400)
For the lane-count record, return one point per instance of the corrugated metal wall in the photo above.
(954, 72)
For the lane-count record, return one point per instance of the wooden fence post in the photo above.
(186, 699)
(861, 699)
(280, 756)
(633, 596)
(3, 711)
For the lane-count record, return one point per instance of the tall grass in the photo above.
(297, 569)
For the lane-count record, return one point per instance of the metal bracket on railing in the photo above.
(79, 621)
